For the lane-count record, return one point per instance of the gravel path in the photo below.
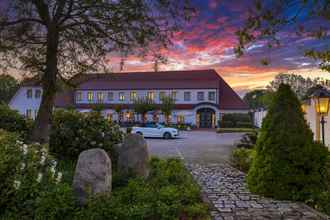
(224, 188)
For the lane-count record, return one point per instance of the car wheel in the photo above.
(139, 133)
(167, 135)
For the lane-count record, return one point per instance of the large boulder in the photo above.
(133, 156)
(92, 174)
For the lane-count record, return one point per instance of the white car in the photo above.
(156, 130)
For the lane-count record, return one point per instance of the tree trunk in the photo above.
(42, 126)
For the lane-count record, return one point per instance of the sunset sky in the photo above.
(208, 42)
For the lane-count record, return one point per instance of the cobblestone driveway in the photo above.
(225, 189)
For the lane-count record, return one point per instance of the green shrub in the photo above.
(241, 158)
(73, 132)
(287, 165)
(248, 140)
(57, 203)
(12, 121)
(25, 172)
(168, 193)
(236, 120)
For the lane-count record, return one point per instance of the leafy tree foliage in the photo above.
(13, 121)
(55, 39)
(8, 87)
(287, 164)
(167, 106)
(298, 83)
(142, 106)
(74, 132)
(258, 98)
(267, 19)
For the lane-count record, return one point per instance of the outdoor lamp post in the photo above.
(321, 98)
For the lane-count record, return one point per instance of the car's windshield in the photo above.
(160, 126)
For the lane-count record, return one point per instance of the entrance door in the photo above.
(205, 117)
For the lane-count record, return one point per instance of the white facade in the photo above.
(27, 101)
(81, 96)
(312, 118)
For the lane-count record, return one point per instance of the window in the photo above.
(150, 95)
(100, 96)
(187, 96)
(211, 96)
(78, 96)
(200, 96)
(29, 93)
(37, 95)
(110, 96)
(161, 95)
(132, 96)
(29, 113)
(173, 95)
(180, 119)
(90, 96)
(122, 96)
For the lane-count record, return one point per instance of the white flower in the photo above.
(59, 177)
(39, 177)
(44, 150)
(23, 165)
(102, 134)
(43, 160)
(53, 171)
(17, 184)
(25, 149)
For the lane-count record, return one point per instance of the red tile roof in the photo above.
(191, 79)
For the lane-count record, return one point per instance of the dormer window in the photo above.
(37, 94)
(90, 96)
(29, 93)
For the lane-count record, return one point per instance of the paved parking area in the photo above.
(196, 146)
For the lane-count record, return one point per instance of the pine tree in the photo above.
(288, 164)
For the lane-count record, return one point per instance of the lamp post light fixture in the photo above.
(321, 99)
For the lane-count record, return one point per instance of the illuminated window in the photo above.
(78, 96)
(200, 96)
(90, 96)
(122, 96)
(211, 96)
(173, 95)
(29, 113)
(180, 119)
(151, 95)
(29, 93)
(161, 95)
(37, 94)
(100, 96)
(187, 96)
(133, 96)
(110, 96)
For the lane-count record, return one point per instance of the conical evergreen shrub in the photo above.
(288, 164)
